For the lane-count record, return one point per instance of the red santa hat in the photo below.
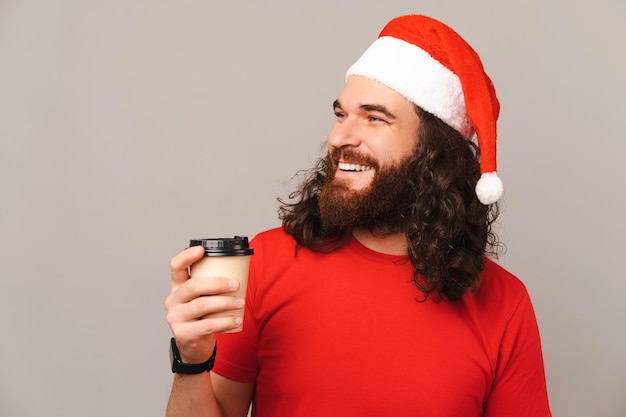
(432, 66)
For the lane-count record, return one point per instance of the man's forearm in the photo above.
(192, 396)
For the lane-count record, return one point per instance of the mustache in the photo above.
(351, 156)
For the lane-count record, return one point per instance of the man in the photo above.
(375, 298)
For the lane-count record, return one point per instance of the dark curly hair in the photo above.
(449, 231)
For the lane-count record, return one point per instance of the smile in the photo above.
(352, 167)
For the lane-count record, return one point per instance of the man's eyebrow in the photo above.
(378, 108)
(369, 107)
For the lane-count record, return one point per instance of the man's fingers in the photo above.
(201, 306)
(180, 263)
(197, 287)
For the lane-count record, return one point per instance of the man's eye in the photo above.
(339, 115)
(375, 119)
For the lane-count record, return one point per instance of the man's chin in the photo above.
(350, 186)
(354, 181)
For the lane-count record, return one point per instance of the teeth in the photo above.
(353, 167)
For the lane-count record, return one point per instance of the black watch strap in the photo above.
(178, 367)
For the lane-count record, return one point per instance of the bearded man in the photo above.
(376, 298)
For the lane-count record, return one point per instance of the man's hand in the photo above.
(190, 300)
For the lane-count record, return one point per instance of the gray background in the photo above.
(128, 127)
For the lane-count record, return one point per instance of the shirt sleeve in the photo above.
(519, 387)
(236, 357)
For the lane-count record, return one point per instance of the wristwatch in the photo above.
(178, 367)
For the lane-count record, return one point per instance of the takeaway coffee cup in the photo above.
(225, 258)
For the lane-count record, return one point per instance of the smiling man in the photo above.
(376, 297)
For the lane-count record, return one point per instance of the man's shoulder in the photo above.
(273, 241)
(497, 282)
(492, 268)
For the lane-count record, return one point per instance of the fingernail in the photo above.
(239, 302)
(233, 284)
(238, 321)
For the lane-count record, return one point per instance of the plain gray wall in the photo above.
(128, 127)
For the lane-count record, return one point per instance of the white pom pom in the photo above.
(489, 188)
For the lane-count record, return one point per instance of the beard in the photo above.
(383, 207)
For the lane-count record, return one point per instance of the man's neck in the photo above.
(394, 244)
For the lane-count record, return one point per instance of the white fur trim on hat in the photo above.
(420, 78)
(489, 188)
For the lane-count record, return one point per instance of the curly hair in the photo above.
(449, 231)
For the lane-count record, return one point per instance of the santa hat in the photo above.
(432, 66)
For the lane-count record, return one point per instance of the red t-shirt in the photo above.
(343, 334)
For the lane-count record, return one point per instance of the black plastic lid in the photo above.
(222, 246)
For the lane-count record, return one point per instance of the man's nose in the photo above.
(345, 132)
